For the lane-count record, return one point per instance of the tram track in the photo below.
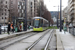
(10, 41)
(48, 41)
(27, 40)
(36, 45)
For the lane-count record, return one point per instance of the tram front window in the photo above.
(36, 23)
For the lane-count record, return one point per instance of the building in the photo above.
(36, 8)
(39, 7)
(17, 9)
(71, 4)
(14, 9)
(4, 11)
(66, 15)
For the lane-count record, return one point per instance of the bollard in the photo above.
(0, 29)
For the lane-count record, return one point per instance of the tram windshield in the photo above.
(36, 23)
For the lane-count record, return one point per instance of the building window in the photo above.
(23, 15)
(5, 6)
(31, 10)
(11, 6)
(34, 1)
(1, 1)
(5, 18)
(1, 9)
(5, 14)
(6, 2)
(2, 17)
(18, 10)
(5, 9)
(2, 13)
(22, 3)
(20, 14)
(1, 6)
(11, 2)
(22, 11)
(23, 7)
(20, 7)
(19, 3)
(31, 3)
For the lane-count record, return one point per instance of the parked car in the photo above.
(4, 28)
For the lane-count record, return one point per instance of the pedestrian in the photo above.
(0, 29)
(20, 27)
(64, 29)
(12, 27)
(8, 28)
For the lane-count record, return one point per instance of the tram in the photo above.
(40, 24)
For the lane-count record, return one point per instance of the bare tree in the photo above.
(47, 16)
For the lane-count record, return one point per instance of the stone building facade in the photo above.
(71, 4)
(4, 13)
(10, 10)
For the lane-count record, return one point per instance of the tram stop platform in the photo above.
(6, 36)
(65, 41)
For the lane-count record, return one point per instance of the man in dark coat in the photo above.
(8, 27)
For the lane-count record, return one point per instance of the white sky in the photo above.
(51, 3)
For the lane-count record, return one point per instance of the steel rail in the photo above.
(37, 41)
(50, 36)
(2, 48)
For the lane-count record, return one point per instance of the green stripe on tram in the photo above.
(38, 29)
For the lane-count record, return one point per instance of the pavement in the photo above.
(65, 41)
(5, 35)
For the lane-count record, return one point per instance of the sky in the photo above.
(52, 5)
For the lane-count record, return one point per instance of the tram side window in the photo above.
(41, 22)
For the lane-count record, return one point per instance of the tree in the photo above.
(47, 16)
(52, 22)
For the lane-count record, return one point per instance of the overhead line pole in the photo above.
(60, 16)
(25, 24)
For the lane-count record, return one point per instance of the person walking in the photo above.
(20, 27)
(12, 27)
(8, 28)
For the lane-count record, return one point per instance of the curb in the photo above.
(15, 34)
(59, 42)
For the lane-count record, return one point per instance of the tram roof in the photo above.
(40, 18)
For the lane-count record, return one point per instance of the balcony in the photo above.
(69, 1)
(72, 12)
(72, 4)
(72, 8)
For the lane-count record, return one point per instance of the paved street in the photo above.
(60, 40)
(37, 24)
